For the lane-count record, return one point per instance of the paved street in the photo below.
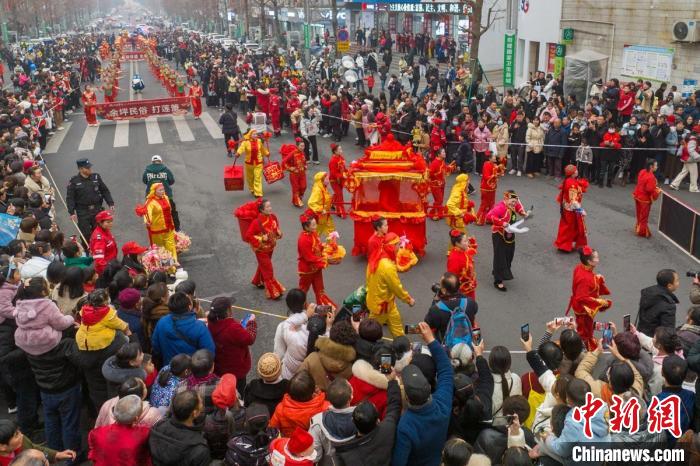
(221, 263)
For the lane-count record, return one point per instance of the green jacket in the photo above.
(82, 262)
(158, 173)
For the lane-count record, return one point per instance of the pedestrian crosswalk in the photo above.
(132, 133)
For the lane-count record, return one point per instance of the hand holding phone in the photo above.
(385, 364)
(626, 322)
(245, 320)
(476, 336)
(525, 332)
(411, 329)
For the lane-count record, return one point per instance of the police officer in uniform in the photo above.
(86, 194)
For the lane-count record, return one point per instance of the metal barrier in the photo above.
(680, 224)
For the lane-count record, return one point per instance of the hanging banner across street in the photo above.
(133, 109)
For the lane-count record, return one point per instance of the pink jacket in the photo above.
(7, 293)
(40, 324)
(482, 137)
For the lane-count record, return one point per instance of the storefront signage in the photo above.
(437, 8)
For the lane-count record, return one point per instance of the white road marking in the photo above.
(121, 134)
(128, 80)
(55, 142)
(88, 140)
(183, 130)
(153, 131)
(211, 126)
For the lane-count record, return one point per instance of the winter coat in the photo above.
(555, 137)
(599, 388)
(501, 136)
(98, 327)
(34, 267)
(657, 308)
(534, 137)
(515, 386)
(493, 442)
(180, 333)
(482, 137)
(291, 338)
(269, 394)
(229, 123)
(375, 448)
(573, 434)
(162, 395)
(290, 413)
(329, 429)
(148, 417)
(65, 303)
(175, 444)
(330, 361)
(149, 320)
(7, 294)
(309, 126)
(56, 370)
(132, 317)
(115, 375)
(641, 439)
(158, 173)
(232, 343)
(368, 384)
(415, 444)
(688, 334)
(40, 324)
(119, 444)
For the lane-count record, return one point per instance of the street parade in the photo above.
(338, 282)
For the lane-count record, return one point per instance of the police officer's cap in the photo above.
(83, 163)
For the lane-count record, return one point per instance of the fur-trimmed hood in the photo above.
(368, 374)
(334, 356)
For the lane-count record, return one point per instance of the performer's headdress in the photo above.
(454, 233)
(510, 195)
(587, 250)
(390, 239)
(569, 170)
(334, 147)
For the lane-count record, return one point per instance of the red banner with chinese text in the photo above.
(133, 55)
(134, 109)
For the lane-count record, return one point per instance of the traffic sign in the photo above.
(343, 46)
(343, 35)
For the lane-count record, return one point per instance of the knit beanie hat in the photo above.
(299, 442)
(269, 366)
(225, 394)
(128, 297)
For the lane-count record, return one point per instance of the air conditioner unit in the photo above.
(686, 30)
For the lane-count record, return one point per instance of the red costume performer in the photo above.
(336, 175)
(644, 194)
(89, 100)
(437, 172)
(275, 112)
(263, 100)
(103, 246)
(489, 182)
(294, 161)
(312, 260)
(460, 261)
(262, 235)
(586, 289)
(438, 139)
(572, 227)
(195, 94)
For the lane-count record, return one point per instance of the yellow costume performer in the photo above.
(460, 210)
(320, 202)
(254, 151)
(159, 219)
(384, 286)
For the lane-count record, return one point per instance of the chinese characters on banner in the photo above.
(444, 8)
(143, 108)
(509, 60)
(662, 414)
(133, 55)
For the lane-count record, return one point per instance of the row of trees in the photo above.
(29, 17)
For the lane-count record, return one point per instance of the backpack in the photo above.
(534, 400)
(459, 329)
(241, 452)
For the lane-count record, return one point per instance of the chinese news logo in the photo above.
(662, 415)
